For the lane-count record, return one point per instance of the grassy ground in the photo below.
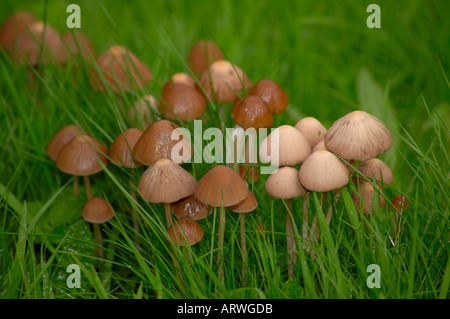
(328, 62)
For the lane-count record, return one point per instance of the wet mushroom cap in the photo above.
(80, 156)
(247, 205)
(14, 25)
(182, 102)
(221, 186)
(322, 171)
(358, 136)
(224, 81)
(156, 143)
(272, 94)
(61, 138)
(284, 183)
(166, 182)
(78, 44)
(203, 53)
(252, 112)
(190, 207)
(376, 168)
(97, 211)
(185, 231)
(311, 129)
(120, 151)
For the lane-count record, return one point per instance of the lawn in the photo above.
(328, 62)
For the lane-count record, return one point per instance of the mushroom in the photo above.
(363, 199)
(284, 184)
(179, 78)
(166, 182)
(78, 45)
(312, 130)
(375, 169)
(140, 114)
(202, 54)
(221, 187)
(272, 94)
(182, 102)
(319, 147)
(120, 70)
(400, 203)
(81, 157)
(14, 25)
(246, 206)
(185, 232)
(97, 211)
(252, 112)
(190, 207)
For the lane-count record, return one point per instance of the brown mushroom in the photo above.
(182, 102)
(252, 112)
(190, 207)
(14, 25)
(202, 54)
(272, 94)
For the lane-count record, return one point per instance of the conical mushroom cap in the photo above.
(311, 129)
(14, 25)
(284, 183)
(120, 150)
(156, 143)
(293, 148)
(323, 172)
(97, 211)
(224, 81)
(247, 205)
(190, 207)
(221, 183)
(185, 231)
(272, 94)
(358, 136)
(80, 156)
(166, 182)
(61, 138)
(182, 102)
(375, 168)
(121, 69)
(203, 53)
(252, 112)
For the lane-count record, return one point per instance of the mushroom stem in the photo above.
(244, 250)
(221, 238)
(168, 215)
(305, 220)
(76, 184)
(133, 210)
(290, 240)
(98, 240)
(87, 186)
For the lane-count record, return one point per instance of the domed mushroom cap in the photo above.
(97, 211)
(182, 102)
(323, 172)
(224, 81)
(61, 138)
(166, 182)
(185, 231)
(221, 183)
(80, 156)
(252, 112)
(272, 94)
(311, 129)
(78, 44)
(120, 151)
(179, 78)
(363, 199)
(203, 53)
(156, 143)
(247, 205)
(121, 69)
(190, 207)
(40, 43)
(358, 136)
(292, 147)
(284, 183)
(14, 25)
(375, 168)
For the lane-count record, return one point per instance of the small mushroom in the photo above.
(252, 112)
(182, 102)
(377, 169)
(140, 113)
(190, 207)
(363, 199)
(312, 130)
(202, 54)
(185, 232)
(14, 25)
(179, 78)
(78, 45)
(272, 94)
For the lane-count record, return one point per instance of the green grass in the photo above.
(328, 62)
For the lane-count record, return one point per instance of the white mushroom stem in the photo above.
(134, 215)
(221, 237)
(315, 229)
(305, 221)
(290, 240)
(244, 250)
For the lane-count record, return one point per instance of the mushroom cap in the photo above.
(120, 150)
(400, 202)
(221, 183)
(365, 193)
(190, 207)
(80, 156)
(97, 211)
(252, 112)
(375, 168)
(166, 182)
(247, 205)
(61, 138)
(249, 173)
(203, 53)
(311, 129)
(182, 102)
(358, 136)
(272, 94)
(185, 232)
(284, 183)
(121, 69)
(78, 44)
(224, 81)
(322, 171)
(179, 78)
(15, 24)
(293, 148)
(40, 43)
(319, 147)
(156, 143)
